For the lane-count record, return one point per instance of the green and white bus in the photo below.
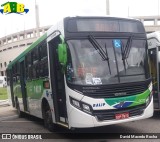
(84, 72)
(154, 57)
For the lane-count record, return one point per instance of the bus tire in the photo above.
(20, 114)
(47, 116)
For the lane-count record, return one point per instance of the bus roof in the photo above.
(39, 40)
(106, 16)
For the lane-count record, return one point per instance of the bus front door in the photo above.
(57, 83)
(23, 85)
(154, 68)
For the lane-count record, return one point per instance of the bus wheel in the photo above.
(47, 116)
(18, 109)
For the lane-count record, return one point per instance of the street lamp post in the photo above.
(107, 7)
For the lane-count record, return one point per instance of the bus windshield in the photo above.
(87, 65)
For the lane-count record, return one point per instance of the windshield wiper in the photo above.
(108, 59)
(123, 57)
(102, 53)
(126, 51)
(98, 47)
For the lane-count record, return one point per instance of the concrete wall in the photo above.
(151, 23)
(12, 45)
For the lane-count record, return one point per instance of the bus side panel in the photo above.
(35, 92)
(17, 93)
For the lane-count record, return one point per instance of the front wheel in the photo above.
(47, 116)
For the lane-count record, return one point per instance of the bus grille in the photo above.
(102, 115)
(119, 90)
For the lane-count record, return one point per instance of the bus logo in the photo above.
(99, 105)
(117, 43)
(120, 105)
(120, 94)
(13, 7)
(6, 136)
(123, 104)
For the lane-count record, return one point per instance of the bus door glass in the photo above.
(23, 85)
(57, 81)
(153, 69)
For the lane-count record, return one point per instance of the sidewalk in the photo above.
(4, 102)
(7, 112)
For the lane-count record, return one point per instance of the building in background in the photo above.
(151, 23)
(12, 45)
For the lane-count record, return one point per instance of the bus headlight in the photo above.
(81, 105)
(86, 107)
(75, 103)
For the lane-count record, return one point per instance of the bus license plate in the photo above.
(122, 115)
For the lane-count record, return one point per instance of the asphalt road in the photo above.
(10, 123)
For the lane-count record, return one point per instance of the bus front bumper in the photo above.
(80, 119)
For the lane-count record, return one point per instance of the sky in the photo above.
(51, 12)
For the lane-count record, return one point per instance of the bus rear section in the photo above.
(154, 59)
(3, 82)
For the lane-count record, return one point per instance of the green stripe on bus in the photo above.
(135, 99)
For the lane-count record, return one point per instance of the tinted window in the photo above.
(43, 68)
(28, 60)
(43, 50)
(35, 55)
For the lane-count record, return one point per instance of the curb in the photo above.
(8, 118)
(4, 102)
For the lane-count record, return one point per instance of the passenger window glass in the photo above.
(43, 50)
(35, 55)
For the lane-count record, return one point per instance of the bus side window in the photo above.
(43, 65)
(43, 68)
(34, 72)
(35, 62)
(8, 77)
(30, 73)
(29, 66)
(35, 55)
(26, 67)
(43, 51)
(16, 72)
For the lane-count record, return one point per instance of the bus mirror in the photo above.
(62, 54)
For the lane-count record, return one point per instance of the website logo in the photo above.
(6, 136)
(13, 7)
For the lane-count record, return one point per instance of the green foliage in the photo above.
(3, 93)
